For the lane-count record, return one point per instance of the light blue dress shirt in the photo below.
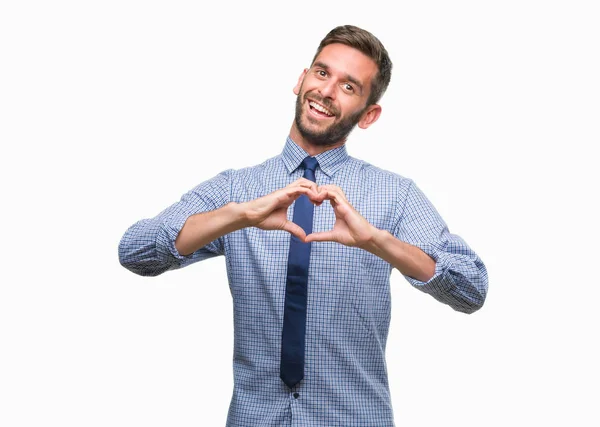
(348, 310)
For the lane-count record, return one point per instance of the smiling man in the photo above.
(319, 116)
(311, 237)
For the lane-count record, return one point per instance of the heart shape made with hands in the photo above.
(350, 227)
(270, 213)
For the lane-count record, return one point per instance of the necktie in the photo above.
(294, 315)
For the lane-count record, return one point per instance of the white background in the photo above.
(110, 111)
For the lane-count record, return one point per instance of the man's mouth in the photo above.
(319, 110)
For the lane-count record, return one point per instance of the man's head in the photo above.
(348, 75)
(368, 44)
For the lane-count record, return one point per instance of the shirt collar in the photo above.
(329, 161)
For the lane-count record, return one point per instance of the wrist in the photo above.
(375, 241)
(237, 214)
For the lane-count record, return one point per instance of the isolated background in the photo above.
(110, 111)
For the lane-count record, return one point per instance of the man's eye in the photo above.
(348, 87)
(322, 73)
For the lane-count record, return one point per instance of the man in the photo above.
(310, 238)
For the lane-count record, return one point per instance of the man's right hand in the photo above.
(270, 212)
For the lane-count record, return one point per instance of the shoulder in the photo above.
(378, 177)
(273, 165)
(230, 177)
(254, 181)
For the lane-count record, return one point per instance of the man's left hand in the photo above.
(350, 228)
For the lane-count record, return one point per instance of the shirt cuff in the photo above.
(439, 283)
(165, 241)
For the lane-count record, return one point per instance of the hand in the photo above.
(270, 212)
(350, 228)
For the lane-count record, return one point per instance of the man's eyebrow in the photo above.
(348, 77)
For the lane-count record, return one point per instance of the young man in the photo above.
(310, 237)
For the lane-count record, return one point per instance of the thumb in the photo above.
(322, 236)
(295, 229)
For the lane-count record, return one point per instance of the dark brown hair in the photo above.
(368, 44)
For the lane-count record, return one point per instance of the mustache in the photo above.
(325, 102)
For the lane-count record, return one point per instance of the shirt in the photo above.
(348, 309)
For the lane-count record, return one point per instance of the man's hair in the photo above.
(368, 44)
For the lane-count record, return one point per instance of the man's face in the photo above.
(333, 93)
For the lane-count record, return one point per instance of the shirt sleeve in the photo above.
(148, 247)
(460, 279)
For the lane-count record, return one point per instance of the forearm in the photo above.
(459, 280)
(202, 228)
(408, 259)
(460, 277)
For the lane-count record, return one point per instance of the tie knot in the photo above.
(310, 163)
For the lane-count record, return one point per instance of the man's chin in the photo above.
(316, 135)
(319, 131)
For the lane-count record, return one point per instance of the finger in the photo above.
(295, 229)
(334, 189)
(330, 195)
(317, 197)
(303, 182)
(296, 192)
(322, 236)
(337, 202)
(311, 193)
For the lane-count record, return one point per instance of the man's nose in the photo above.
(328, 89)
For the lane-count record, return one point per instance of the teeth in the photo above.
(320, 108)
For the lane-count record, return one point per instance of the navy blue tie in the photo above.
(294, 316)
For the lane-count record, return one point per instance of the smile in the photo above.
(319, 111)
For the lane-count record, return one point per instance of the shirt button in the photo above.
(296, 395)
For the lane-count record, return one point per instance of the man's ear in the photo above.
(300, 80)
(370, 116)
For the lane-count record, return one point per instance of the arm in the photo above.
(192, 229)
(421, 248)
(352, 229)
(406, 258)
(460, 278)
(148, 247)
(268, 213)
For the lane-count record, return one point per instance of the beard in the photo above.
(334, 133)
